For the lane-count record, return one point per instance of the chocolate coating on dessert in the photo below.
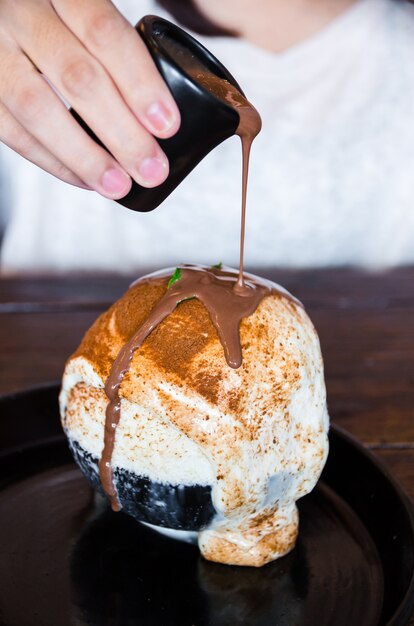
(226, 306)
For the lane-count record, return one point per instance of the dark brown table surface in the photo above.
(365, 321)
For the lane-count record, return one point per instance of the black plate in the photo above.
(67, 559)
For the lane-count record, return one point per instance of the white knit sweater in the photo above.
(332, 173)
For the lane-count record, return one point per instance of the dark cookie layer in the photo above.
(181, 507)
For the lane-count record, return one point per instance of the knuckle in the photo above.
(28, 103)
(78, 77)
(60, 170)
(19, 140)
(142, 95)
(105, 28)
(4, 119)
(25, 144)
(141, 145)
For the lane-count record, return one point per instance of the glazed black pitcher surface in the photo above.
(206, 120)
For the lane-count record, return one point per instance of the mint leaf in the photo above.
(217, 266)
(176, 276)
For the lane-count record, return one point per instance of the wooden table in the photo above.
(365, 322)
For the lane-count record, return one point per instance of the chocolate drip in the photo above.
(227, 307)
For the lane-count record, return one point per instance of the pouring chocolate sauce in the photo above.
(228, 296)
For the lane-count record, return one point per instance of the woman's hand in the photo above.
(99, 64)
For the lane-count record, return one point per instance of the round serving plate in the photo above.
(66, 558)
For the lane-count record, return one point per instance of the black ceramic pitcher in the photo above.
(206, 121)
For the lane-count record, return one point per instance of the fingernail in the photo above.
(160, 117)
(154, 170)
(115, 181)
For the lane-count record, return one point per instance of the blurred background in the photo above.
(332, 172)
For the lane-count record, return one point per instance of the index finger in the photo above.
(115, 43)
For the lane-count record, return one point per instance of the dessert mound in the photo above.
(200, 445)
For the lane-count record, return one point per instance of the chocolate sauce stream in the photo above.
(249, 127)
